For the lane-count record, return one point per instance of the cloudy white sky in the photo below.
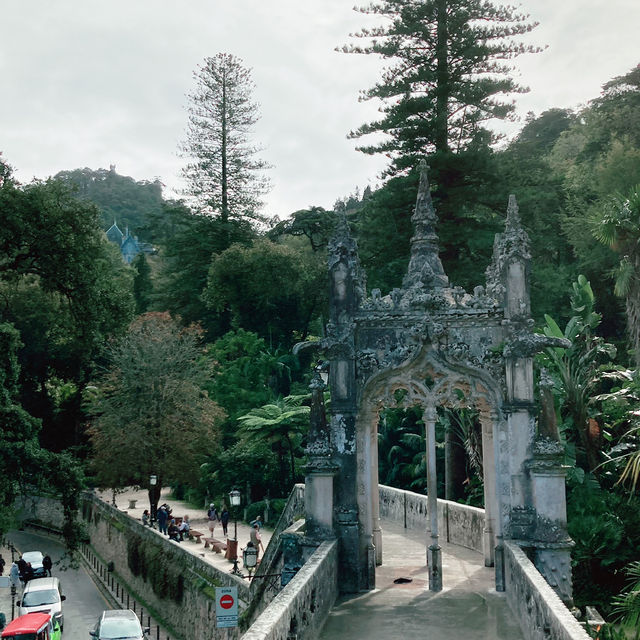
(89, 84)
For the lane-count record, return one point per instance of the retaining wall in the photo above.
(111, 533)
(300, 609)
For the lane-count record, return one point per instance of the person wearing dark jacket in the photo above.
(47, 564)
(224, 519)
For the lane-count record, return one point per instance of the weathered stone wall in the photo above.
(302, 606)
(111, 530)
(457, 523)
(540, 612)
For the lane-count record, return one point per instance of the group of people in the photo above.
(167, 524)
(178, 532)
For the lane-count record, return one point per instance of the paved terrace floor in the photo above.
(197, 518)
(468, 606)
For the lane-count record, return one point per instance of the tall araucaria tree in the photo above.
(447, 75)
(223, 174)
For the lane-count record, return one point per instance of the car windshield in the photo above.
(119, 628)
(37, 598)
(32, 556)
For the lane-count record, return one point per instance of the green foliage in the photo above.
(245, 373)
(315, 223)
(627, 604)
(276, 507)
(606, 529)
(223, 175)
(446, 75)
(151, 400)
(578, 370)
(281, 424)
(269, 289)
(122, 199)
(189, 242)
(147, 560)
(142, 285)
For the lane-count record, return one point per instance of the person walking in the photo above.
(212, 514)
(256, 539)
(2, 563)
(163, 518)
(224, 519)
(47, 564)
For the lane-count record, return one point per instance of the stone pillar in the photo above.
(320, 470)
(346, 288)
(490, 494)
(375, 489)
(552, 556)
(434, 552)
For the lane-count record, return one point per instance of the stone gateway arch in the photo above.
(431, 344)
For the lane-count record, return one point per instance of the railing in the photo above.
(116, 592)
(119, 595)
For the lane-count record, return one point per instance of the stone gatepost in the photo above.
(551, 541)
(346, 290)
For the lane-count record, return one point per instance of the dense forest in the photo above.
(209, 318)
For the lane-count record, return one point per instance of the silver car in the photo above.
(119, 623)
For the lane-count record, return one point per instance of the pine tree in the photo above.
(447, 76)
(223, 174)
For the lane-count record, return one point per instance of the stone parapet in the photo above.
(457, 523)
(301, 608)
(541, 613)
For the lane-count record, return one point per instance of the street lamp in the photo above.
(153, 503)
(234, 499)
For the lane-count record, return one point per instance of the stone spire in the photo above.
(425, 269)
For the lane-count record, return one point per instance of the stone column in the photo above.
(490, 494)
(434, 552)
(375, 492)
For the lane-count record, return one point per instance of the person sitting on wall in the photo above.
(184, 528)
(174, 533)
(146, 518)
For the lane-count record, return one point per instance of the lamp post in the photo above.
(153, 502)
(234, 499)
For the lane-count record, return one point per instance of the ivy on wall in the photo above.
(151, 564)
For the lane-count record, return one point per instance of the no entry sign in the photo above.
(226, 607)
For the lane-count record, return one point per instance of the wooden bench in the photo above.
(195, 534)
(216, 545)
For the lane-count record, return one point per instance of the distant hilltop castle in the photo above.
(129, 245)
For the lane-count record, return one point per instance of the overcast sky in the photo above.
(89, 84)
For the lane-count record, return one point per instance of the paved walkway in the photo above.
(468, 606)
(197, 518)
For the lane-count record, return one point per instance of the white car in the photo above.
(43, 595)
(34, 558)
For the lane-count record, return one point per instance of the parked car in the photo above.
(32, 626)
(119, 623)
(43, 595)
(34, 558)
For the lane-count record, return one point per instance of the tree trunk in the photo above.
(441, 137)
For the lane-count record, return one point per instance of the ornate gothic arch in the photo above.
(445, 347)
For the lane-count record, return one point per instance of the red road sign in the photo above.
(226, 602)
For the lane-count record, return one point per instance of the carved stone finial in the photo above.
(425, 269)
(513, 215)
(547, 422)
